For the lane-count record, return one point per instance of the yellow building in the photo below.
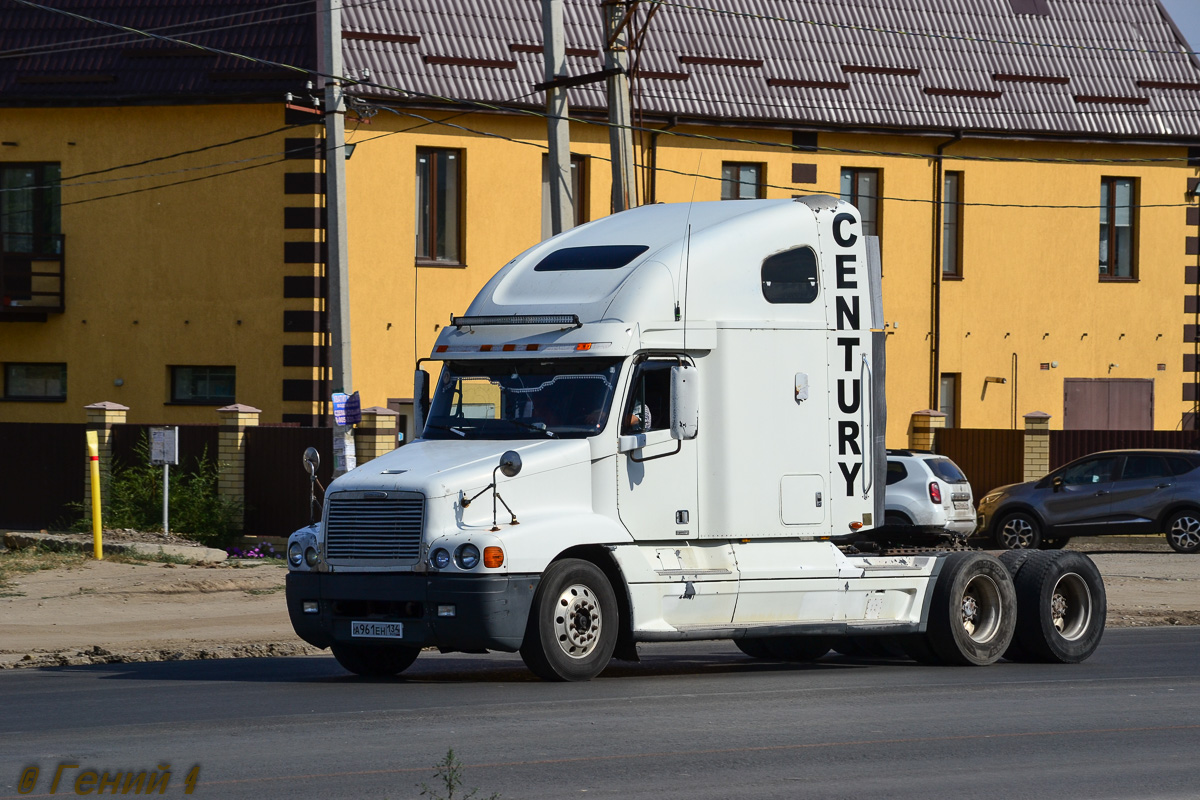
(995, 155)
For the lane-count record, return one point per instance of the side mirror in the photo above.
(510, 463)
(312, 461)
(685, 403)
(1057, 483)
(420, 401)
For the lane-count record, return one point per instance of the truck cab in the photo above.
(666, 424)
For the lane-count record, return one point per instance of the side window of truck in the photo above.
(648, 407)
(790, 276)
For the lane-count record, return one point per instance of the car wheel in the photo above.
(1183, 531)
(1061, 608)
(972, 613)
(896, 518)
(374, 662)
(1018, 531)
(755, 648)
(797, 648)
(572, 628)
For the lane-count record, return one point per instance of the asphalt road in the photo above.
(690, 721)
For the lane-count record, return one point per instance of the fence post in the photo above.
(100, 418)
(1037, 445)
(924, 427)
(376, 434)
(231, 452)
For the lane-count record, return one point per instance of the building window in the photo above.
(579, 192)
(30, 225)
(1118, 229)
(860, 188)
(35, 381)
(203, 385)
(948, 398)
(952, 209)
(439, 205)
(742, 181)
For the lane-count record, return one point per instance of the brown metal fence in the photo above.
(194, 441)
(42, 470)
(1066, 446)
(989, 458)
(277, 485)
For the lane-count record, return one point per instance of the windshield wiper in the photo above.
(530, 426)
(459, 431)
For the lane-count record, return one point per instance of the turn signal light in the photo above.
(493, 557)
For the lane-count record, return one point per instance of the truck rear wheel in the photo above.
(374, 662)
(572, 627)
(972, 614)
(1062, 608)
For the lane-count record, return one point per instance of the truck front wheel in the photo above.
(572, 627)
(374, 662)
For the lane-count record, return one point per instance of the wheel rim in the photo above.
(981, 609)
(1017, 533)
(577, 621)
(1071, 606)
(1185, 532)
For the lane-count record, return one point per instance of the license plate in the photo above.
(377, 630)
(961, 505)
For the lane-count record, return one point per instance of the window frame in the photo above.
(760, 182)
(953, 416)
(426, 222)
(876, 219)
(8, 396)
(45, 207)
(580, 186)
(1109, 182)
(952, 210)
(173, 371)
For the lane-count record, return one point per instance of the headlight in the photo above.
(295, 554)
(991, 498)
(467, 556)
(310, 556)
(440, 558)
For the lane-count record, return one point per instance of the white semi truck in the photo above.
(667, 424)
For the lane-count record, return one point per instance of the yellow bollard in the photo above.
(93, 445)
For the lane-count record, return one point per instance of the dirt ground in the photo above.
(87, 611)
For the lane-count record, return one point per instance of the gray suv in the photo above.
(1113, 492)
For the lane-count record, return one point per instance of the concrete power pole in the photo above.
(337, 257)
(562, 203)
(617, 16)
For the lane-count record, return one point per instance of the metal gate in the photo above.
(989, 458)
(42, 469)
(276, 483)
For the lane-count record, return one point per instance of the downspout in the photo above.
(935, 326)
(652, 171)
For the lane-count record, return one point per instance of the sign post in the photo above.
(164, 450)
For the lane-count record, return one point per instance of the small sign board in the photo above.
(347, 409)
(164, 445)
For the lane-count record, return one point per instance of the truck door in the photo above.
(656, 475)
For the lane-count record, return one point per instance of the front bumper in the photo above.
(491, 611)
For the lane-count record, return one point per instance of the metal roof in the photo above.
(53, 58)
(1087, 68)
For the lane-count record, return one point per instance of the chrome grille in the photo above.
(360, 527)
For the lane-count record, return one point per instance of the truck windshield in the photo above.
(522, 399)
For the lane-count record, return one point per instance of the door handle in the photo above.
(1101, 492)
(1163, 486)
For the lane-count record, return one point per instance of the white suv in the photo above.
(928, 491)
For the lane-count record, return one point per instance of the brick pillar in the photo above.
(231, 451)
(1037, 445)
(924, 428)
(376, 434)
(100, 418)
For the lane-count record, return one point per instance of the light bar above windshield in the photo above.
(517, 319)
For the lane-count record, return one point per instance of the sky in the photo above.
(1186, 14)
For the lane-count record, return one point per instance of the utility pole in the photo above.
(558, 134)
(618, 14)
(337, 258)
